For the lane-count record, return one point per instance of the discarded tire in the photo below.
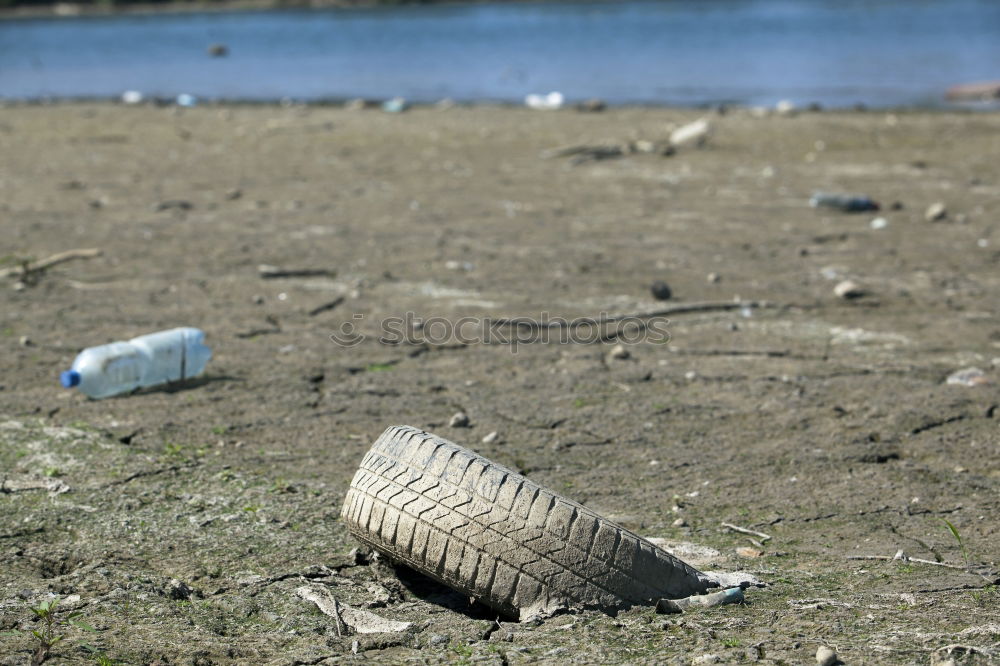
(494, 535)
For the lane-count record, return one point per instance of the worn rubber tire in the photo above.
(494, 535)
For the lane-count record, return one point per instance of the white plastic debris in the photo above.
(554, 100)
(693, 133)
(361, 621)
(968, 377)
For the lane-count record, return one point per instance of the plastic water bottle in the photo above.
(148, 360)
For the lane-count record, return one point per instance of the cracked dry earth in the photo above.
(194, 524)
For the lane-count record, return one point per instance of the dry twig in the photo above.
(742, 530)
(27, 268)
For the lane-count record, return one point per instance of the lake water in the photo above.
(687, 52)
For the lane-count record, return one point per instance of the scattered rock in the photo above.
(661, 290)
(848, 289)
(178, 590)
(879, 223)
(491, 437)
(592, 105)
(968, 377)
(438, 639)
(234, 194)
(680, 522)
(24, 341)
(746, 551)
(619, 353)
(936, 212)
(706, 659)
(713, 278)
(459, 420)
(825, 656)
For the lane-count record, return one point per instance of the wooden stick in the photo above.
(685, 308)
(268, 272)
(336, 615)
(917, 560)
(327, 306)
(48, 262)
(743, 530)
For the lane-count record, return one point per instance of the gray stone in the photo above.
(936, 212)
(825, 656)
(661, 290)
(848, 289)
(459, 420)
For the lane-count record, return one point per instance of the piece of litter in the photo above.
(848, 289)
(731, 596)
(554, 100)
(361, 621)
(936, 212)
(968, 377)
(696, 132)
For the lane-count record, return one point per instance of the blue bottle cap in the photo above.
(69, 378)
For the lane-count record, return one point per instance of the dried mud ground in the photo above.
(181, 521)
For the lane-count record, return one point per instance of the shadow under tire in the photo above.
(492, 534)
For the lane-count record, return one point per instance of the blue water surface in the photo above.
(835, 52)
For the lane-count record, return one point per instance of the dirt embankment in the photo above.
(182, 522)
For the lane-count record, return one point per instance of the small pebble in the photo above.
(680, 522)
(706, 659)
(619, 353)
(490, 438)
(713, 278)
(661, 290)
(747, 551)
(825, 656)
(879, 223)
(257, 299)
(593, 105)
(25, 341)
(936, 212)
(848, 289)
(438, 639)
(690, 375)
(459, 420)
(178, 590)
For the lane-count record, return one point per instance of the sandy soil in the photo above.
(194, 513)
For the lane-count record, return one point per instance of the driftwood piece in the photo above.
(27, 268)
